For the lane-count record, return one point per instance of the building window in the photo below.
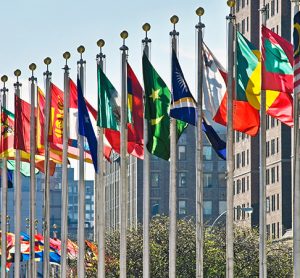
(155, 179)
(272, 146)
(243, 26)
(243, 185)
(238, 186)
(277, 6)
(207, 180)
(247, 157)
(243, 159)
(247, 183)
(272, 7)
(182, 139)
(243, 3)
(247, 24)
(182, 153)
(237, 5)
(273, 202)
(267, 176)
(182, 179)
(222, 206)
(237, 136)
(277, 172)
(221, 179)
(277, 201)
(273, 175)
(234, 190)
(277, 144)
(268, 231)
(272, 122)
(278, 230)
(268, 204)
(238, 160)
(182, 210)
(207, 153)
(238, 212)
(154, 204)
(273, 231)
(267, 149)
(207, 207)
(243, 212)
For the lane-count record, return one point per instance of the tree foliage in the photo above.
(246, 259)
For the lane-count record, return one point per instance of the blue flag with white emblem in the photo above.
(183, 103)
(184, 108)
(85, 127)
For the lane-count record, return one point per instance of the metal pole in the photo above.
(100, 187)
(173, 167)
(64, 190)
(33, 80)
(18, 192)
(146, 178)
(28, 270)
(199, 144)
(229, 144)
(81, 184)
(46, 261)
(4, 90)
(296, 186)
(262, 176)
(123, 171)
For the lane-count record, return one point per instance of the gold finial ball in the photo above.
(81, 49)
(200, 11)
(100, 43)
(32, 66)
(17, 73)
(146, 27)
(124, 35)
(67, 55)
(47, 61)
(231, 3)
(4, 78)
(174, 19)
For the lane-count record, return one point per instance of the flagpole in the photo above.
(173, 165)
(123, 171)
(47, 74)
(262, 176)
(32, 213)
(81, 184)
(4, 90)
(65, 187)
(229, 144)
(296, 187)
(18, 192)
(199, 144)
(100, 188)
(146, 178)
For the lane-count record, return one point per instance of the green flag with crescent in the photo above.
(157, 111)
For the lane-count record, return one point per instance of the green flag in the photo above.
(157, 110)
(108, 103)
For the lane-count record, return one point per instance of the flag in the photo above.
(296, 36)
(109, 103)
(85, 127)
(74, 120)
(279, 105)
(277, 62)
(184, 106)
(245, 117)
(157, 107)
(135, 125)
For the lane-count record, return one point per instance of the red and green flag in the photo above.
(277, 62)
(279, 105)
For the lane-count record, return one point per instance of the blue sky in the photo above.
(34, 29)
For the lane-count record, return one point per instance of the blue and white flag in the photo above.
(183, 103)
(85, 127)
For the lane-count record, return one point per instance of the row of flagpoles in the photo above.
(99, 176)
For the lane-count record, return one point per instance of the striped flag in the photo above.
(297, 53)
